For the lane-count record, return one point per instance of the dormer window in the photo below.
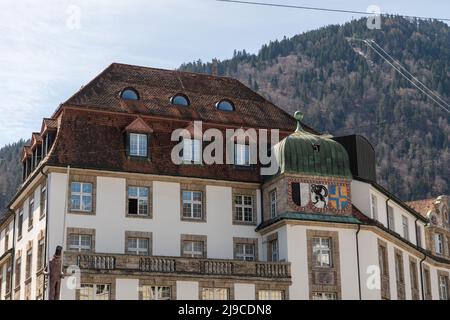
(180, 100)
(129, 94)
(138, 144)
(225, 105)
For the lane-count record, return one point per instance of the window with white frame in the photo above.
(192, 151)
(399, 272)
(274, 250)
(28, 263)
(273, 203)
(192, 204)
(390, 216)
(270, 295)
(138, 145)
(80, 242)
(321, 248)
(20, 224)
(193, 249)
(138, 246)
(241, 154)
(419, 235)
(156, 293)
(6, 248)
(324, 296)
(43, 208)
(215, 294)
(30, 212)
(81, 196)
(245, 251)
(138, 201)
(40, 254)
(439, 243)
(443, 287)
(95, 291)
(405, 227)
(374, 206)
(243, 208)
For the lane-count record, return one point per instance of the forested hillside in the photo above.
(343, 87)
(10, 172)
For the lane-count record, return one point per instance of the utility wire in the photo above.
(403, 74)
(279, 5)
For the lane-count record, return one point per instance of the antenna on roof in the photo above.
(214, 67)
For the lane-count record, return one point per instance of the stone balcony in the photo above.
(214, 268)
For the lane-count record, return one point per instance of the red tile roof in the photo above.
(422, 206)
(157, 86)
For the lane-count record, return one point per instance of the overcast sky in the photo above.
(47, 50)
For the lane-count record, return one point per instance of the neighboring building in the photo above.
(99, 181)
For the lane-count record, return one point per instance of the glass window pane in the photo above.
(87, 188)
(76, 187)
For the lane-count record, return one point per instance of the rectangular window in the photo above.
(43, 208)
(138, 145)
(243, 208)
(390, 215)
(443, 287)
(419, 235)
(324, 296)
(192, 151)
(192, 204)
(6, 241)
(413, 274)
(95, 291)
(439, 243)
(241, 154)
(8, 278)
(30, 213)
(374, 206)
(137, 246)
(273, 203)
(138, 201)
(156, 293)
(273, 250)
(193, 249)
(399, 268)
(405, 227)
(28, 264)
(321, 248)
(270, 295)
(80, 242)
(20, 224)
(382, 256)
(18, 271)
(40, 254)
(427, 284)
(215, 294)
(81, 196)
(245, 252)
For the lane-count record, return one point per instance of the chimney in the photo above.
(214, 67)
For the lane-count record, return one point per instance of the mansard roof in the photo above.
(156, 87)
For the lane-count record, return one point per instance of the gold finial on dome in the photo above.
(299, 117)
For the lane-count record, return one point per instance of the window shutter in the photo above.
(296, 193)
(127, 144)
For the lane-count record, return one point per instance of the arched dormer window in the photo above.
(225, 105)
(129, 94)
(180, 100)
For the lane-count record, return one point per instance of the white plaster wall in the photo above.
(349, 265)
(27, 236)
(360, 196)
(368, 255)
(127, 289)
(244, 291)
(187, 290)
(295, 241)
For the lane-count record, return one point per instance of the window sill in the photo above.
(136, 216)
(139, 158)
(84, 213)
(193, 220)
(19, 237)
(17, 288)
(244, 223)
(30, 227)
(189, 163)
(28, 280)
(39, 271)
(41, 217)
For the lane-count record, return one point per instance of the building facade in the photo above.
(99, 181)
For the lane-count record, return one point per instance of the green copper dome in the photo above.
(303, 152)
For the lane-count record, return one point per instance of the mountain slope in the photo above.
(343, 87)
(10, 172)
